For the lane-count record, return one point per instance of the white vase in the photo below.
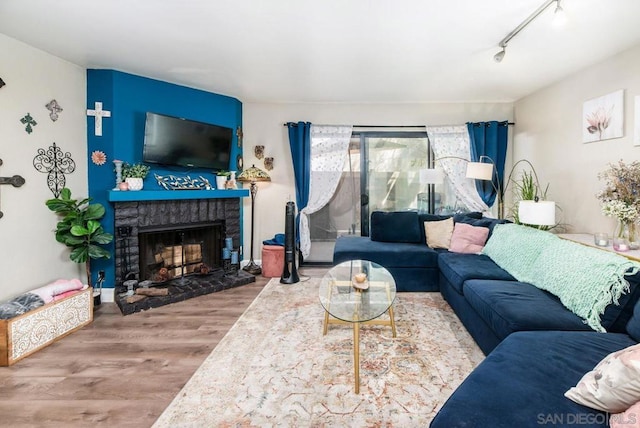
(221, 182)
(134, 183)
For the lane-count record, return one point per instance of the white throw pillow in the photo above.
(439, 233)
(613, 385)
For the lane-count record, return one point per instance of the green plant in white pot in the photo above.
(221, 179)
(134, 174)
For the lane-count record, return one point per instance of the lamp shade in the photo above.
(431, 176)
(253, 174)
(540, 213)
(480, 170)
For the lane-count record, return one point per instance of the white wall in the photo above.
(548, 132)
(29, 253)
(263, 125)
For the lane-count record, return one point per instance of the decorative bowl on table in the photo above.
(360, 281)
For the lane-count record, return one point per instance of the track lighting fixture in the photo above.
(559, 15)
(559, 18)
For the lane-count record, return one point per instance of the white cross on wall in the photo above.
(99, 114)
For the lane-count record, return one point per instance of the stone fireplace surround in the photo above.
(149, 214)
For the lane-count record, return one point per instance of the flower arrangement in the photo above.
(136, 170)
(621, 196)
(620, 199)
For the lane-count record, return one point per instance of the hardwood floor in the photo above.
(121, 371)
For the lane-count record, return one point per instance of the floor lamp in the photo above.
(253, 175)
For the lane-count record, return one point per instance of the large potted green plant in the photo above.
(80, 229)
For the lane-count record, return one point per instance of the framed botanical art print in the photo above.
(603, 117)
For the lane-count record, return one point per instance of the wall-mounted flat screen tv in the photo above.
(173, 141)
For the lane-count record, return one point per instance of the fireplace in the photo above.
(134, 220)
(179, 250)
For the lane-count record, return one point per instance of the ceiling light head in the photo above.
(500, 55)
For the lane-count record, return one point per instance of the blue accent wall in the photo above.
(129, 98)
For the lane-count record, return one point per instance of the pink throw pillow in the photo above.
(468, 239)
(630, 418)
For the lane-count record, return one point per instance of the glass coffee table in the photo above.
(345, 303)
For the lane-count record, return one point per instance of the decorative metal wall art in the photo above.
(2, 83)
(268, 163)
(258, 151)
(55, 164)
(98, 113)
(29, 122)
(171, 182)
(54, 108)
(98, 157)
(239, 134)
(15, 181)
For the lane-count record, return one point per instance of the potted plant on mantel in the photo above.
(221, 179)
(134, 174)
(80, 230)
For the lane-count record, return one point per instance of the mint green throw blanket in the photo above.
(585, 279)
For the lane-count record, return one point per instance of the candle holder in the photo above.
(601, 239)
(118, 167)
(621, 245)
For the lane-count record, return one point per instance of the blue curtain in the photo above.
(489, 139)
(300, 143)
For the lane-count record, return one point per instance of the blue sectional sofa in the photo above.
(537, 349)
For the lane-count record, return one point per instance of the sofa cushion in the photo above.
(457, 268)
(509, 306)
(614, 383)
(424, 217)
(439, 233)
(397, 226)
(386, 254)
(487, 222)
(633, 326)
(522, 382)
(468, 239)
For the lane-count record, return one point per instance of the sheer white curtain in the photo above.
(454, 141)
(329, 149)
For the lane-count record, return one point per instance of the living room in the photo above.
(547, 132)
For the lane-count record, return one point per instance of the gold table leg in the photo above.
(356, 354)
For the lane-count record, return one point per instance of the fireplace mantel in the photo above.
(170, 195)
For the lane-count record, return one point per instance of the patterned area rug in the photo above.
(274, 367)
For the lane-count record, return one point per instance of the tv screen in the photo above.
(181, 142)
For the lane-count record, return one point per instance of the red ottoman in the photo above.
(272, 260)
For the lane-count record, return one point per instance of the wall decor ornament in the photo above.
(29, 122)
(602, 117)
(258, 151)
(54, 108)
(98, 114)
(239, 134)
(98, 157)
(15, 181)
(268, 163)
(55, 164)
(2, 83)
(239, 162)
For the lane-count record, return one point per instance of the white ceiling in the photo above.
(364, 51)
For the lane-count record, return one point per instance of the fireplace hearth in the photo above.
(179, 289)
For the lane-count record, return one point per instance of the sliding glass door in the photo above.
(382, 173)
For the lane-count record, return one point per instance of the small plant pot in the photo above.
(135, 183)
(221, 182)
